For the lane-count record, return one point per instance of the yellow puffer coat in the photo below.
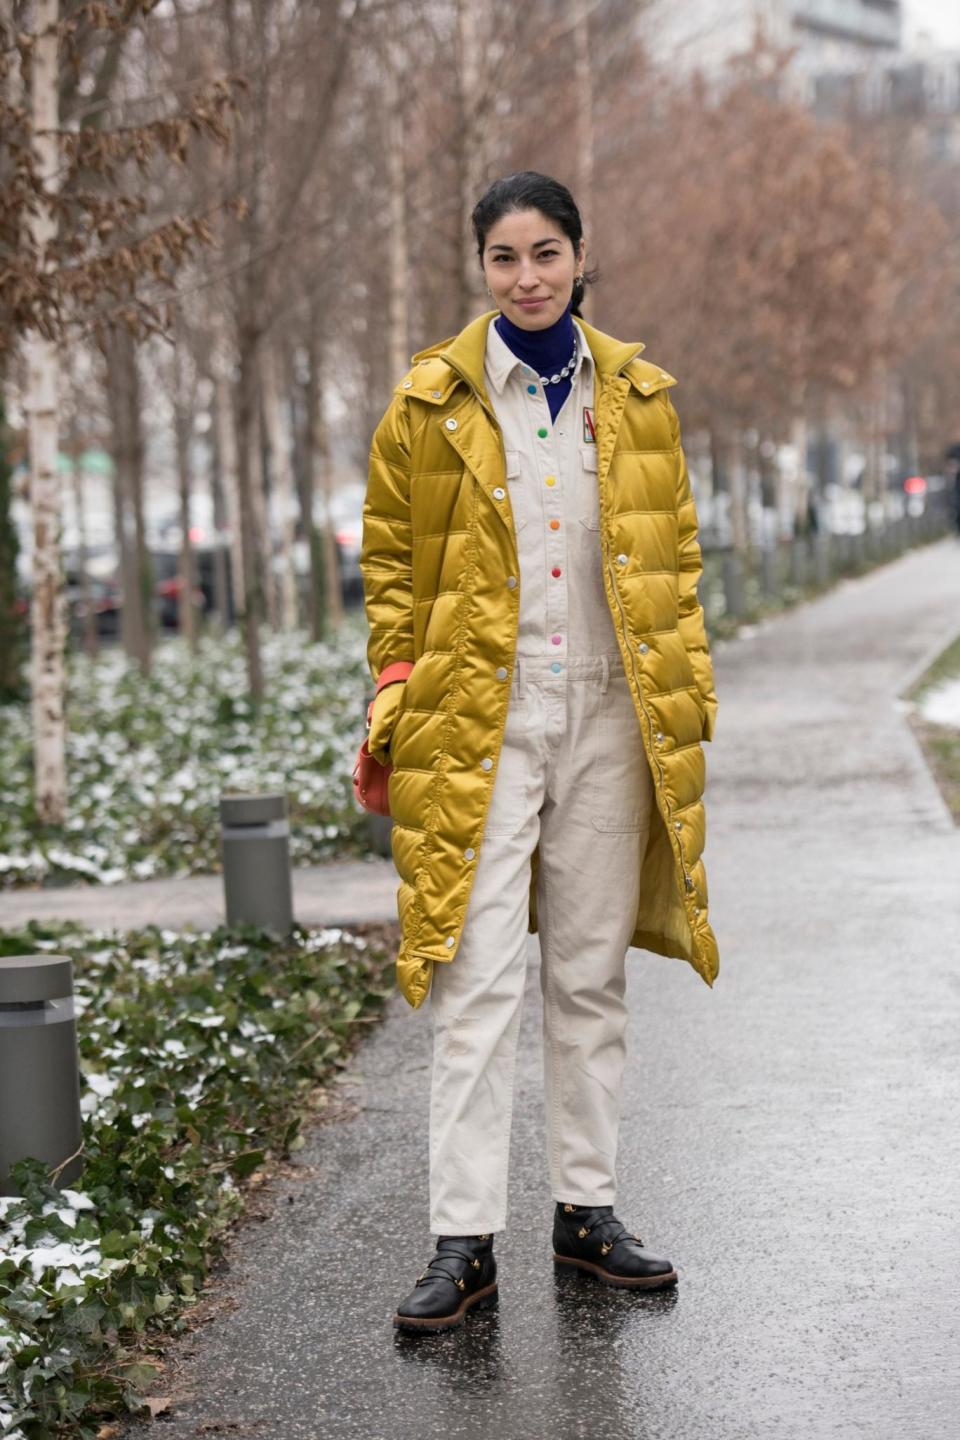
(438, 560)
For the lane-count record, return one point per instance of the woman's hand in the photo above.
(383, 717)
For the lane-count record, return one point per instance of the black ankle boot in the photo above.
(592, 1238)
(462, 1274)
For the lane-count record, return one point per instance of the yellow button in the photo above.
(550, 480)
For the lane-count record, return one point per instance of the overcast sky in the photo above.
(940, 18)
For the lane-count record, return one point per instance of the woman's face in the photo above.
(529, 263)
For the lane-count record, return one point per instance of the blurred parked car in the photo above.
(103, 596)
(346, 515)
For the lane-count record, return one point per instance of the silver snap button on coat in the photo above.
(450, 424)
(499, 493)
(450, 942)
(501, 673)
(486, 763)
(511, 582)
(407, 384)
(469, 853)
(435, 394)
(621, 559)
(643, 647)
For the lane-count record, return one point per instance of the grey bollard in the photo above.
(255, 846)
(39, 1071)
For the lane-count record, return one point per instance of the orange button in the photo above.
(554, 524)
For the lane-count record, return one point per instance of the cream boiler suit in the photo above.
(573, 775)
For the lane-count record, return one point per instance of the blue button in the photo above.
(556, 667)
(531, 389)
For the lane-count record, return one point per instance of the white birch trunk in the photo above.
(227, 451)
(47, 610)
(284, 499)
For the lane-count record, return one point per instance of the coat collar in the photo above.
(500, 361)
(438, 369)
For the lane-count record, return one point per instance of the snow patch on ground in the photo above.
(941, 705)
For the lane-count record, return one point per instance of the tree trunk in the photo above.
(48, 621)
(182, 431)
(738, 495)
(583, 81)
(283, 486)
(472, 166)
(91, 639)
(226, 433)
(399, 282)
(126, 444)
(318, 602)
(323, 462)
(252, 606)
(221, 524)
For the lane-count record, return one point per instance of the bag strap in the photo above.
(397, 670)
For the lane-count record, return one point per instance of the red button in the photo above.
(555, 570)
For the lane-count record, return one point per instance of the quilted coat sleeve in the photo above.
(691, 622)
(386, 550)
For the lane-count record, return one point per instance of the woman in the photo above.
(530, 566)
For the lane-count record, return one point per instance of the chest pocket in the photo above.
(516, 490)
(588, 492)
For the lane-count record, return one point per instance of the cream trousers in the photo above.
(573, 775)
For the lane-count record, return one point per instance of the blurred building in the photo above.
(826, 35)
(922, 89)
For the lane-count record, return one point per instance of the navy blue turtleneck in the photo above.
(546, 351)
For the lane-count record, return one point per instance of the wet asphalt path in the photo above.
(790, 1139)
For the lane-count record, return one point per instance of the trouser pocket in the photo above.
(511, 786)
(622, 789)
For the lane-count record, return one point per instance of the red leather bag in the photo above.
(369, 776)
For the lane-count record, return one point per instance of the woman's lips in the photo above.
(532, 304)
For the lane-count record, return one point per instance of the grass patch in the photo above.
(201, 1054)
(939, 742)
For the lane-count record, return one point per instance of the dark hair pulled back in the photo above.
(529, 190)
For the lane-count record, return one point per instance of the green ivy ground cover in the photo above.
(147, 760)
(200, 1056)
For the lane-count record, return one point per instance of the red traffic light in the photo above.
(915, 485)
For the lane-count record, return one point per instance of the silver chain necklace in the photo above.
(567, 369)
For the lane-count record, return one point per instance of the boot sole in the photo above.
(480, 1299)
(620, 1282)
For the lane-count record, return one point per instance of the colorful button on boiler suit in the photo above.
(547, 746)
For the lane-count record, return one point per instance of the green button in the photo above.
(542, 433)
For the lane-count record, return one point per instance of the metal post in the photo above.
(733, 584)
(39, 1073)
(768, 571)
(256, 861)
